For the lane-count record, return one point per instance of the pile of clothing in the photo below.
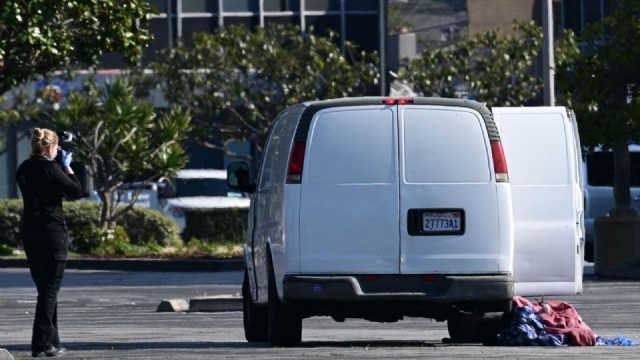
(555, 323)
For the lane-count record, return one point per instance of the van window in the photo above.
(600, 169)
(444, 146)
(276, 157)
(532, 142)
(192, 187)
(355, 146)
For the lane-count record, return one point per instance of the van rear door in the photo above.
(349, 192)
(543, 156)
(448, 201)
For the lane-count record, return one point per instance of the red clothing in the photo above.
(559, 317)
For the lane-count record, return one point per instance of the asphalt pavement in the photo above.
(113, 315)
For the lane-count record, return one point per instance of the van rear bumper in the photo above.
(441, 289)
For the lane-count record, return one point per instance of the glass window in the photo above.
(281, 5)
(361, 5)
(571, 13)
(322, 5)
(600, 169)
(444, 146)
(239, 5)
(292, 20)
(322, 24)
(368, 39)
(200, 6)
(592, 11)
(161, 5)
(342, 153)
(191, 26)
(248, 21)
(201, 187)
(160, 30)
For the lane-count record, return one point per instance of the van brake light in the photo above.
(393, 101)
(499, 161)
(296, 163)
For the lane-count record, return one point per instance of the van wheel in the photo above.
(285, 324)
(254, 317)
(588, 252)
(465, 327)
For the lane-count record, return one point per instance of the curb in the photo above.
(217, 303)
(197, 265)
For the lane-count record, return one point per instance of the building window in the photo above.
(194, 25)
(355, 31)
(159, 29)
(281, 5)
(199, 6)
(160, 5)
(323, 5)
(287, 20)
(249, 21)
(592, 11)
(362, 5)
(240, 6)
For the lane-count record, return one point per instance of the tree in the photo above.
(235, 81)
(396, 21)
(119, 136)
(40, 36)
(602, 84)
(489, 67)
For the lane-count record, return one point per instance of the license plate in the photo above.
(442, 221)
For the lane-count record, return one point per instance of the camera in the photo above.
(65, 139)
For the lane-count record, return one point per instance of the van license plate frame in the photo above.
(442, 222)
(416, 217)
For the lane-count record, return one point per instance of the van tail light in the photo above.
(296, 163)
(499, 161)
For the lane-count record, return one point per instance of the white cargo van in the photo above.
(543, 152)
(381, 208)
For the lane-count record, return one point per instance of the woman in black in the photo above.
(42, 182)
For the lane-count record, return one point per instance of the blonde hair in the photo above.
(41, 139)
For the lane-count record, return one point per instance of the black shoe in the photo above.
(50, 352)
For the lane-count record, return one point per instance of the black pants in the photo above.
(47, 257)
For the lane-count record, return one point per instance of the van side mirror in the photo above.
(239, 177)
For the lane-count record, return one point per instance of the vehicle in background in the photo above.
(200, 189)
(152, 196)
(598, 189)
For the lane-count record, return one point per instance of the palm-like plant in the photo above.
(120, 137)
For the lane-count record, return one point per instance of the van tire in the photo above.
(254, 317)
(588, 252)
(284, 323)
(465, 327)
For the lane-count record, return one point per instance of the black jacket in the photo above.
(42, 183)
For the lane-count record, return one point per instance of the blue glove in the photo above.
(67, 158)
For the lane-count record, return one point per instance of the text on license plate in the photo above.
(441, 221)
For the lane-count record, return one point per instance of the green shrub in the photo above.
(5, 250)
(216, 225)
(142, 226)
(10, 216)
